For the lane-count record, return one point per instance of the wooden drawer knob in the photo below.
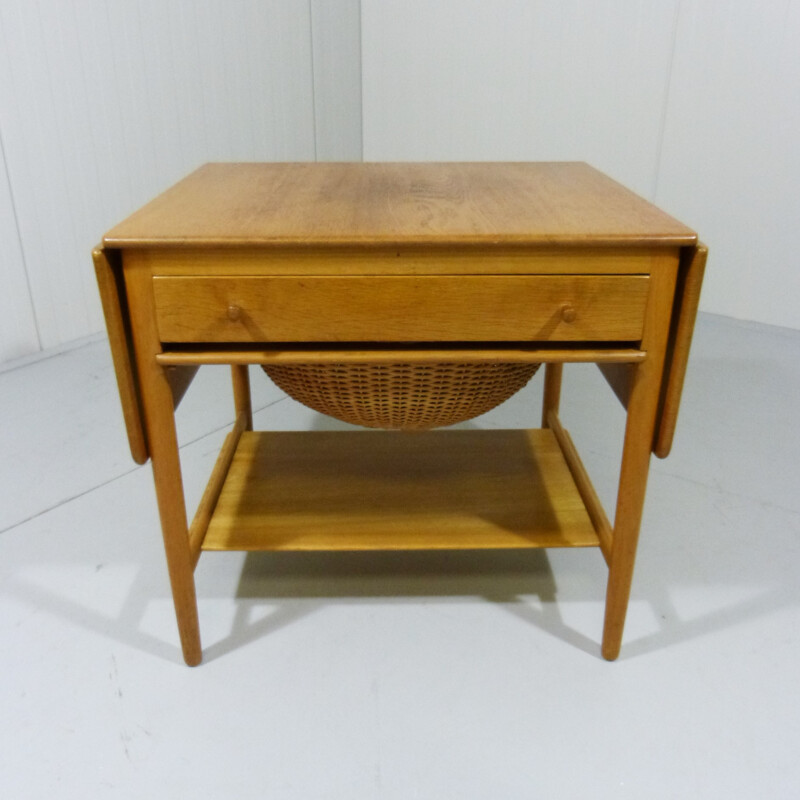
(234, 313)
(568, 312)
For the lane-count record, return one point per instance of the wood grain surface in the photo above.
(398, 491)
(322, 204)
(401, 308)
(115, 310)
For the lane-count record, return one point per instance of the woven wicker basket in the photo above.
(401, 396)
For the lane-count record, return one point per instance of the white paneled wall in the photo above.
(731, 157)
(336, 40)
(104, 103)
(518, 80)
(693, 103)
(17, 324)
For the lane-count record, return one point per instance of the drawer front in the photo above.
(400, 308)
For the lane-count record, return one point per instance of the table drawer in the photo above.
(400, 308)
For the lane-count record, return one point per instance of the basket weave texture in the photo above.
(401, 396)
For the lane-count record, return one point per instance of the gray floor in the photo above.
(404, 676)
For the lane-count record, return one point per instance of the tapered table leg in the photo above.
(552, 391)
(630, 505)
(241, 392)
(639, 432)
(174, 527)
(162, 440)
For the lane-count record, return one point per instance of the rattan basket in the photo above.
(399, 395)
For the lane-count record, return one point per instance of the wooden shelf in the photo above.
(399, 491)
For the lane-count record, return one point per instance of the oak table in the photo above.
(272, 264)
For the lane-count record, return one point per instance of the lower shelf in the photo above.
(398, 491)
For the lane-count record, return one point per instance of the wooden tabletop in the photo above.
(357, 204)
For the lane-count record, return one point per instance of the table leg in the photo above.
(162, 440)
(163, 443)
(552, 391)
(637, 448)
(628, 517)
(241, 392)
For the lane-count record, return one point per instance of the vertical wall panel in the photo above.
(104, 103)
(336, 50)
(518, 79)
(731, 161)
(17, 324)
(36, 154)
